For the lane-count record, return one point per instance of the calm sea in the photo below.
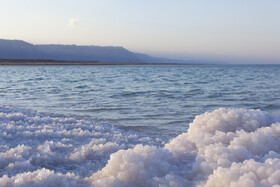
(153, 99)
(117, 126)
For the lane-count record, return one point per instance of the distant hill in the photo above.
(17, 49)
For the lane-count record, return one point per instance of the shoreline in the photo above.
(24, 62)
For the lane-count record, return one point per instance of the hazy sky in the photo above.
(229, 30)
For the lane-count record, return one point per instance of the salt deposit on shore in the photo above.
(226, 147)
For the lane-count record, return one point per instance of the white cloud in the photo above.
(73, 22)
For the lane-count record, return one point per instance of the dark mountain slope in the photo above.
(17, 49)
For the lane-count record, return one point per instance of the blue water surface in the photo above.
(153, 99)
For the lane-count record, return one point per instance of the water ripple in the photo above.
(160, 97)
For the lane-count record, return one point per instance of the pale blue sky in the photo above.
(226, 30)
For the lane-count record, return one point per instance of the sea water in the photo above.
(201, 125)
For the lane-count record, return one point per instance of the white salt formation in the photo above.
(227, 147)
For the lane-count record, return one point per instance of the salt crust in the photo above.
(226, 147)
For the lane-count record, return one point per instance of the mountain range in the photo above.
(18, 49)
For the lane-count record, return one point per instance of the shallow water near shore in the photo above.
(156, 99)
(140, 125)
